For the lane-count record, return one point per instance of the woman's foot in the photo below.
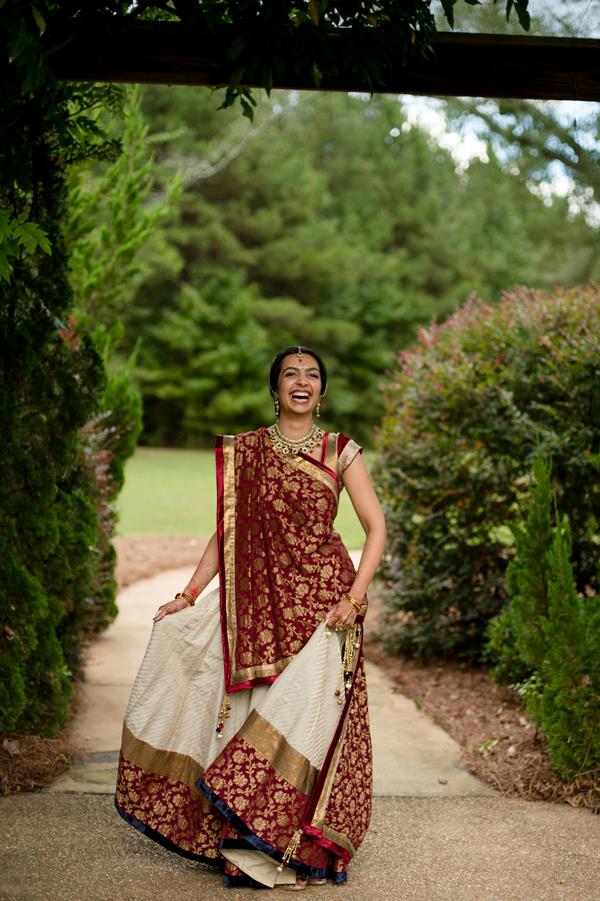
(300, 883)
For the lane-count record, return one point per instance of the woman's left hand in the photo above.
(342, 615)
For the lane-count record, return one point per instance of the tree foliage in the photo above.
(114, 208)
(547, 639)
(516, 642)
(58, 473)
(466, 412)
(332, 221)
(535, 137)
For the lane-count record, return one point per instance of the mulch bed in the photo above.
(149, 555)
(500, 744)
(28, 762)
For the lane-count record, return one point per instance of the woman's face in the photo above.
(299, 383)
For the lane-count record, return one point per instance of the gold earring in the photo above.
(318, 408)
(276, 405)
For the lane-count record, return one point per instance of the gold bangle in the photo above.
(361, 609)
(182, 594)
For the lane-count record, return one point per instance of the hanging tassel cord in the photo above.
(224, 714)
(351, 645)
(291, 849)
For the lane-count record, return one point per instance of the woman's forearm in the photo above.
(369, 561)
(206, 570)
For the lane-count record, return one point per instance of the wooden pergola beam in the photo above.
(465, 65)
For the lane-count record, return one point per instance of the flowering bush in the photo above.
(465, 413)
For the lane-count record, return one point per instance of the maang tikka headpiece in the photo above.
(299, 353)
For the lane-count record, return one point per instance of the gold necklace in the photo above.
(294, 446)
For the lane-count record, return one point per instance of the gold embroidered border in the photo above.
(229, 542)
(290, 764)
(342, 840)
(260, 672)
(171, 764)
(347, 455)
(331, 451)
(318, 819)
(316, 473)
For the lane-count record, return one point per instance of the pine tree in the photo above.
(527, 582)
(551, 633)
(568, 706)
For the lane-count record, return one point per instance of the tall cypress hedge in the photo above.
(466, 411)
(49, 523)
(57, 563)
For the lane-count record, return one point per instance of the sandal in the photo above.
(300, 883)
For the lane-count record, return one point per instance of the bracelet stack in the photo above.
(182, 594)
(361, 609)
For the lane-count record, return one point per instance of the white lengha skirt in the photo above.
(171, 718)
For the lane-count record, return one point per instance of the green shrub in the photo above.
(52, 384)
(108, 440)
(567, 706)
(48, 523)
(548, 643)
(465, 412)
(63, 469)
(516, 643)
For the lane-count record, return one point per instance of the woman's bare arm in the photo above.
(207, 568)
(368, 509)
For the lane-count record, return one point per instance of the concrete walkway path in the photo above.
(437, 833)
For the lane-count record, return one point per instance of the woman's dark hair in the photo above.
(276, 365)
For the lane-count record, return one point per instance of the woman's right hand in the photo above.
(170, 607)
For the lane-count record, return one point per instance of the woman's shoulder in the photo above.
(343, 450)
(347, 449)
(341, 441)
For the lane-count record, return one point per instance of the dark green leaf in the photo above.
(523, 14)
(448, 6)
(39, 19)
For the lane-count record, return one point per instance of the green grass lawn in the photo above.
(171, 491)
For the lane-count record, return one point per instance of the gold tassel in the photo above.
(291, 849)
(224, 714)
(351, 643)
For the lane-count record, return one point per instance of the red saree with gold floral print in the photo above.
(246, 740)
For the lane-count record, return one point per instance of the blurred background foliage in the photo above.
(332, 220)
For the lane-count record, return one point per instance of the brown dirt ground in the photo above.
(500, 744)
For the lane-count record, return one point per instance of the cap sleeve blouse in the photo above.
(347, 449)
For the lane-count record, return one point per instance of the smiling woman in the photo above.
(246, 740)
